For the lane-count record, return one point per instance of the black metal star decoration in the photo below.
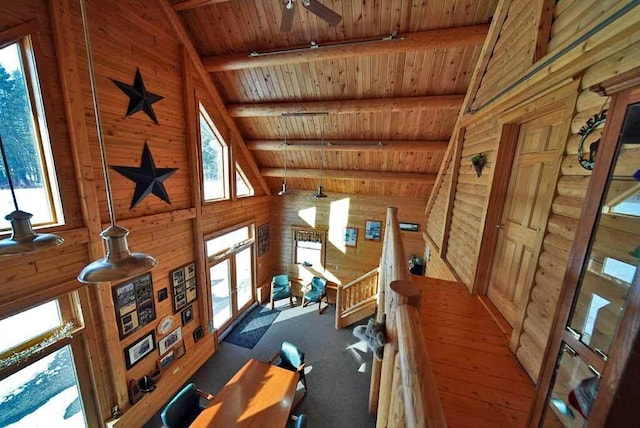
(147, 177)
(139, 97)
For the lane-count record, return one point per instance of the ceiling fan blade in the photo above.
(322, 11)
(288, 12)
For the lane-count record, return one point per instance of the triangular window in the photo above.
(243, 186)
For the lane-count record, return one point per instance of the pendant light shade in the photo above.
(119, 262)
(320, 193)
(23, 239)
(283, 191)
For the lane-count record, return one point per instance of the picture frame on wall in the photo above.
(133, 301)
(165, 361)
(180, 350)
(350, 236)
(183, 286)
(372, 230)
(187, 315)
(135, 352)
(409, 227)
(263, 239)
(169, 341)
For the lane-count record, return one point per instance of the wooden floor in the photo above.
(481, 383)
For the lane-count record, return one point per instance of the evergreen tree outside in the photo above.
(212, 168)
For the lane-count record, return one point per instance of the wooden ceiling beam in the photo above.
(433, 39)
(372, 105)
(192, 4)
(338, 174)
(350, 145)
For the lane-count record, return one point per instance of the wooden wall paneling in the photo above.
(184, 38)
(457, 154)
(544, 28)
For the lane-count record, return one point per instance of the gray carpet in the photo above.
(338, 367)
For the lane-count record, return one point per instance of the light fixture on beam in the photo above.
(320, 193)
(283, 191)
(23, 239)
(119, 263)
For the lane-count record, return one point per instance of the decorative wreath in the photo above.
(597, 120)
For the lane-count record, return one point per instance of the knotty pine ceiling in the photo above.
(385, 133)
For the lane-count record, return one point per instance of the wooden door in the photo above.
(529, 195)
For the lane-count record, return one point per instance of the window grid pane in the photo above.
(21, 328)
(213, 160)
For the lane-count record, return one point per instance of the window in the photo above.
(308, 247)
(24, 134)
(243, 186)
(43, 388)
(214, 160)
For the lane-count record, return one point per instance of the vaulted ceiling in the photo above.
(391, 102)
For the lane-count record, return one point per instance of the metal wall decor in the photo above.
(147, 177)
(183, 286)
(133, 301)
(591, 125)
(139, 97)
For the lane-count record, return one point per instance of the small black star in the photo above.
(147, 177)
(139, 97)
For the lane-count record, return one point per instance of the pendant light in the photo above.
(320, 193)
(119, 262)
(23, 239)
(284, 189)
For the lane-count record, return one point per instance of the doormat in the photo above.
(252, 327)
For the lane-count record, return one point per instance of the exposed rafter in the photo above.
(424, 40)
(372, 105)
(192, 4)
(337, 174)
(349, 145)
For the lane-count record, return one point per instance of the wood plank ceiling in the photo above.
(391, 105)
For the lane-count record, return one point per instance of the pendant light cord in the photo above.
(96, 108)
(6, 168)
(322, 148)
(285, 149)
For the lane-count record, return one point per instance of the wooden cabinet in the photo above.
(589, 365)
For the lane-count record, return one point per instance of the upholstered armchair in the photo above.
(184, 408)
(280, 289)
(315, 292)
(290, 357)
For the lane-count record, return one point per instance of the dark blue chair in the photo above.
(290, 357)
(184, 408)
(281, 289)
(299, 421)
(316, 291)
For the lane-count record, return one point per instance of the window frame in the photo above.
(294, 244)
(243, 177)
(28, 50)
(203, 113)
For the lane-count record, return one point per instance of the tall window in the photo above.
(24, 133)
(42, 386)
(243, 186)
(215, 174)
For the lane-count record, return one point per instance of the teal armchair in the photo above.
(316, 291)
(184, 408)
(290, 357)
(281, 289)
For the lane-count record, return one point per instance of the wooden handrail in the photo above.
(403, 388)
(362, 278)
(357, 299)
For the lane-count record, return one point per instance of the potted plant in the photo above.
(479, 161)
(416, 264)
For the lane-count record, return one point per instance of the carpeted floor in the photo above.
(338, 367)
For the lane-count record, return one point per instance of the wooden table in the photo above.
(260, 395)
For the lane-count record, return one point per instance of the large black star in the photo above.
(139, 97)
(147, 177)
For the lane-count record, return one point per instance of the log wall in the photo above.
(126, 35)
(612, 51)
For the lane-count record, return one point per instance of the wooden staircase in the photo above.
(357, 300)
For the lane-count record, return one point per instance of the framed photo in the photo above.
(187, 315)
(134, 304)
(163, 294)
(198, 333)
(409, 227)
(263, 239)
(165, 361)
(169, 340)
(350, 236)
(138, 350)
(183, 286)
(180, 350)
(372, 230)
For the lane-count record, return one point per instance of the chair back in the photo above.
(281, 280)
(182, 409)
(319, 283)
(301, 422)
(291, 355)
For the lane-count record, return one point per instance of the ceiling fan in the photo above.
(314, 6)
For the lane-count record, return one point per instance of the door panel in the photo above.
(527, 202)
